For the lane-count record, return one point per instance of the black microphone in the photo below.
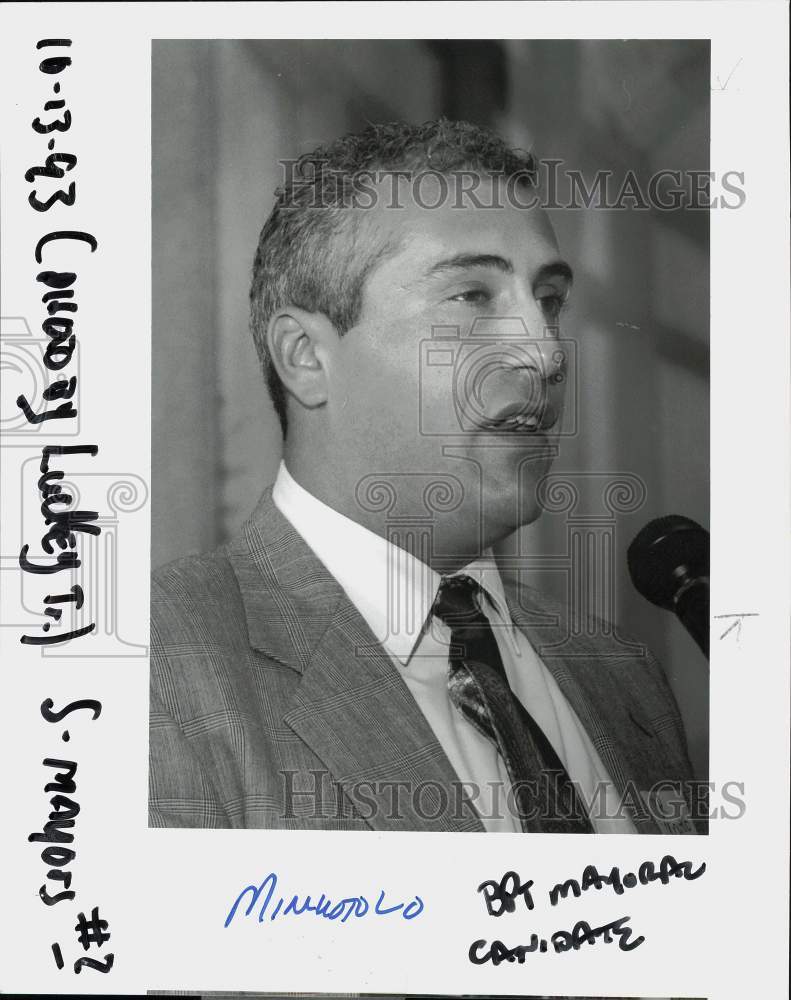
(669, 565)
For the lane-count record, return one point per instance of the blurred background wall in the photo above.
(225, 112)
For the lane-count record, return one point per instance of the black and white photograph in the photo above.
(430, 483)
(394, 445)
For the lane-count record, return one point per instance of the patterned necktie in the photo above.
(477, 684)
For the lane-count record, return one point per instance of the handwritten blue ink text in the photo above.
(341, 909)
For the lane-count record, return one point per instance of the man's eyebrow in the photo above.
(557, 269)
(462, 261)
(467, 260)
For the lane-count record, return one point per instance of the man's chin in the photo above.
(516, 470)
(510, 497)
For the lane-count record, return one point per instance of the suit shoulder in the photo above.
(195, 589)
(600, 638)
(193, 576)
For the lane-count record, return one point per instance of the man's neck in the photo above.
(443, 541)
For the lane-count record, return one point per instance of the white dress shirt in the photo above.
(394, 592)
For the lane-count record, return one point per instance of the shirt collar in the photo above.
(392, 590)
(484, 570)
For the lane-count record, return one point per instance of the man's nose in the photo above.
(526, 371)
(542, 333)
(530, 391)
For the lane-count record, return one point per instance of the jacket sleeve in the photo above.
(670, 728)
(180, 794)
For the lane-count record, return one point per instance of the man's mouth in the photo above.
(520, 418)
(518, 401)
(520, 423)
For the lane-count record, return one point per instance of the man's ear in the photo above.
(301, 345)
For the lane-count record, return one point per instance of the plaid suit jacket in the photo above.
(273, 705)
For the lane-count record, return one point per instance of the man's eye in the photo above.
(552, 305)
(474, 296)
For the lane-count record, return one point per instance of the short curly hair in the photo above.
(297, 260)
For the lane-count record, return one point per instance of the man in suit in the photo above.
(354, 659)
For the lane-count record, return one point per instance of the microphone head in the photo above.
(665, 555)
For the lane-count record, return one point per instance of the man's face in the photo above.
(453, 369)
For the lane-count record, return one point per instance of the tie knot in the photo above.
(457, 600)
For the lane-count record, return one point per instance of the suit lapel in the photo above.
(590, 690)
(356, 713)
(351, 706)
